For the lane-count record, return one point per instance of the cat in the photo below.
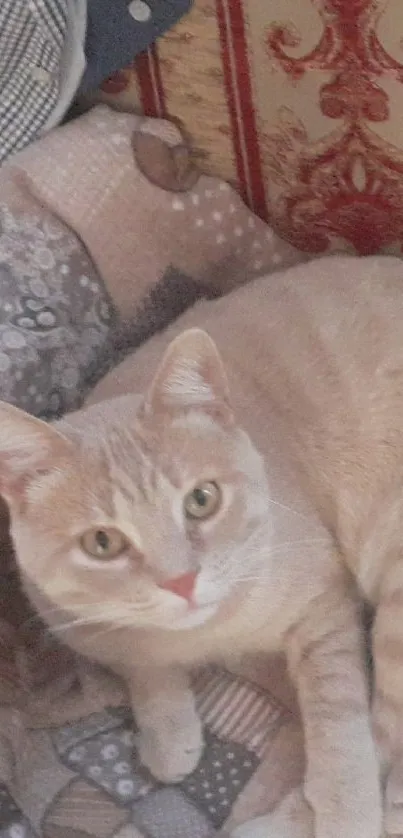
(231, 508)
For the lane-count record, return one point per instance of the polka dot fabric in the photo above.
(221, 775)
(109, 760)
(129, 189)
(216, 214)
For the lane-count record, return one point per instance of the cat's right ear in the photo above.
(29, 447)
(191, 376)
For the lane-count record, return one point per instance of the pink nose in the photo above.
(181, 586)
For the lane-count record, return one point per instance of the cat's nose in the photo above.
(182, 585)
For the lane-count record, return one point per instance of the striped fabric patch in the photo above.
(236, 710)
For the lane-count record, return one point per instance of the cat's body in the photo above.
(322, 349)
(314, 360)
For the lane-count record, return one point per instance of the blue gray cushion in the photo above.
(115, 37)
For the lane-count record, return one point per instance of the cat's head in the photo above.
(141, 516)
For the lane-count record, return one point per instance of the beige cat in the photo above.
(165, 532)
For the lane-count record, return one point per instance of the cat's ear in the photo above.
(28, 448)
(191, 376)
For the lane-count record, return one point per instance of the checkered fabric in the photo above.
(32, 37)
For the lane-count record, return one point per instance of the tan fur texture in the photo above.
(297, 417)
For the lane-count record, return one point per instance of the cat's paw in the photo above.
(393, 824)
(268, 826)
(169, 753)
(292, 819)
(393, 807)
(255, 828)
(393, 820)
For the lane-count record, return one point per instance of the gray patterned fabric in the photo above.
(55, 315)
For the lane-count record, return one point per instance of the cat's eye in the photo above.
(104, 544)
(203, 501)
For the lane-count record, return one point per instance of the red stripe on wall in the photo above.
(240, 102)
(150, 82)
(158, 81)
(145, 84)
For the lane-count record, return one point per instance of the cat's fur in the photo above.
(314, 360)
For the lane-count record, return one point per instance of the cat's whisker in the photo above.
(287, 508)
(72, 624)
(93, 636)
(113, 618)
(297, 543)
(238, 556)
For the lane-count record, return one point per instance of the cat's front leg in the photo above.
(170, 740)
(387, 645)
(291, 819)
(325, 653)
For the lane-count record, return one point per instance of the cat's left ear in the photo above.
(28, 448)
(191, 377)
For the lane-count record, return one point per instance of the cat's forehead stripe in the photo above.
(123, 510)
(130, 463)
(131, 486)
(129, 469)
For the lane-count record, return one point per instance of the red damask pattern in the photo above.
(311, 140)
(347, 187)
